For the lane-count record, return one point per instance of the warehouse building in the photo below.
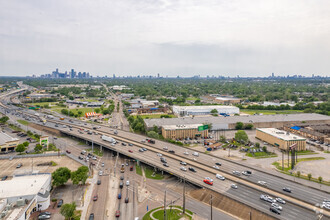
(7, 143)
(183, 131)
(24, 195)
(225, 123)
(204, 110)
(281, 139)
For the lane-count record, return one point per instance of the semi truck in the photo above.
(109, 139)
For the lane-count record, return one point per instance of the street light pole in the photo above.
(211, 209)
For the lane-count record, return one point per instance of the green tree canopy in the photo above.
(80, 175)
(214, 111)
(67, 210)
(61, 176)
(241, 136)
(153, 134)
(4, 119)
(20, 148)
(248, 126)
(26, 144)
(239, 125)
(38, 148)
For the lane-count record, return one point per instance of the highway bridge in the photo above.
(300, 203)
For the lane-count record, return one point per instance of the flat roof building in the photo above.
(281, 139)
(22, 195)
(183, 131)
(261, 121)
(7, 143)
(204, 110)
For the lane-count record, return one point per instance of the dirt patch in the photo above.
(228, 205)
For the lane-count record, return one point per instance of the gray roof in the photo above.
(4, 138)
(233, 119)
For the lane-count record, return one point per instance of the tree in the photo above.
(257, 144)
(309, 176)
(248, 126)
(20, 148)
(4, 119)
(239, 125)
(80, 175)
(320, 179)
(67, 210)
(214, 111)
(97, 110)
(61, 176)
(26, 144)
(241, 136)
(222, 139)
(64, 111)
(264, 149)
(153, 134)
(38, 148)
(298, 174)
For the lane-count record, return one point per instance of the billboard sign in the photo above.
(44, 141)
(203, 127)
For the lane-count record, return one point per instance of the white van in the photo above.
(196, 154)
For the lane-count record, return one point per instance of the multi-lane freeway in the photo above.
(300, 202)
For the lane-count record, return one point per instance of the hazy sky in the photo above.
(170, 37)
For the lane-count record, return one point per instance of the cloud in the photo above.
(167, 36)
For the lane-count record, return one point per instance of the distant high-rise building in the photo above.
(273, 75)
(158, 75)
(114, 76)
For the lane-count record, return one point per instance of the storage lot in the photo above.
(8, 167)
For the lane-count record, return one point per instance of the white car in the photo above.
(102, 164)
(263, 183)
(277, 206)
(100, 173)
(216, 167)
(159, 154)
(186, 153)
(183, 163)
(280, 200)
(195, 154)
(94, 158)
(127, 183)
(183, 169)
(234, 186)
(220, 177)
(236, 172)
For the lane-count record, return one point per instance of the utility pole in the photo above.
(184, 195)
(283, 160)
(229, 152)
(211, 209)
(165, 205)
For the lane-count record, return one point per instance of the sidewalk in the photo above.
(87, 196)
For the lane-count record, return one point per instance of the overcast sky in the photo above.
(170, 37)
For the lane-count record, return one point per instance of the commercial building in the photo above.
(281, 139)
(183, 131)
(225, 123)
(221, 99)
(204, 110)
(143, 103)
(317, 132)
(7, 143)
(23, 195)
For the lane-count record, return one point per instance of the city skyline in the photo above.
(172, 38)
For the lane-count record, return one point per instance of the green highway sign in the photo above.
(203, 127)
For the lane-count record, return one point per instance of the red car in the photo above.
(208, 182)
(117, 213)
(95, 198)
(131, 168)
(130, 151)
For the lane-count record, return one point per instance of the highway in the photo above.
(205, 162)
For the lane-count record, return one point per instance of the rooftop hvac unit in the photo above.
(3, 214)
(20, 202)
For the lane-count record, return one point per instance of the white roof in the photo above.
(4, 138)
(203, 107)
(283, 135)
(181, 127)
(23, 185)
(227, 98)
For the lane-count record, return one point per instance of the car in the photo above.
(141, 150)
(60, 203)
(183, 163)
(234, 186)
(98, 182)
(94, 158)
(19, 165)
(208, 178)
(218, 163)
(44, 217)
(220, 177)
(270, 199)
(126, 200)
(165, 148)
(196, 154)
(165, 165)
(280, 200)
(208, 182)
(263, 197)
(95, 198)
(159, 154)
(192, 169)
(130, 151)
(276, 206)
(131, 168)
(67, 151)
(263, 183)
(102, 164)
(124, 144)
(286, 189)
(117, 213)
(119, 196)
(237, 173)
(274, 210)
(130, 144)
(127, 183)
(247, 173)
(171, 151)
(100, 173)
(186, 153)
(216, 167)
(121, 185)
(45, 213)
(183, 168)
(121, 177)
(144, 149)
(83, 152)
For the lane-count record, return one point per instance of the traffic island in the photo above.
(172, 212)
